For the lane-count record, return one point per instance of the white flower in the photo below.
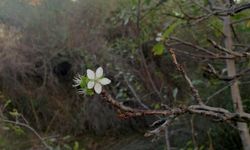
(77, 80)
(97, 80)
(159, 34)
(159, 37)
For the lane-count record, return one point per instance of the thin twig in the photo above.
(193, 45)
(230, 52)
(184, 74)
(135, 94)
(30, 128)
(160, 129)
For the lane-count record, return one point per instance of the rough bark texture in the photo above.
(235, 92)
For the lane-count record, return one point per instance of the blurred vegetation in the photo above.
(45, 43)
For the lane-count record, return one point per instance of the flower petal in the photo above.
(158, 39)
(104, 81)
(159, 34)
(98, 88)
(90, 74)
(99, 72)
(91, 84)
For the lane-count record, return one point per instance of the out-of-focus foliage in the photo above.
(43, 45)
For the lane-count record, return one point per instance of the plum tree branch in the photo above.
(185, 76)
(202, 109)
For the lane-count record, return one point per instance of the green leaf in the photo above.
(147, 2)
(89, 92)
(83, 85)
(202, 147)
(7, 103)
(67, 147)
(157, 106)
(66, 137)
(197, 82)
(18, 130)
(239, 16)
(14, 113)
(84, 82)
(158, 49)
(170, 29)
(126, 20)
(175, 92)
(76, 146)
(248, 24)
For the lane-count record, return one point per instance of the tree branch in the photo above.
(204, 110)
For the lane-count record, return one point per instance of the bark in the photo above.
(235, 92)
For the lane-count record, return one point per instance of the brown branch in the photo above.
(214, 112)
(193, 45)
(184, 74)
(212, 55)
(230, 52)
(222, 12)
(232, 10)
(211, 71)
(202, 56)
(220, 114)
(237, 9)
